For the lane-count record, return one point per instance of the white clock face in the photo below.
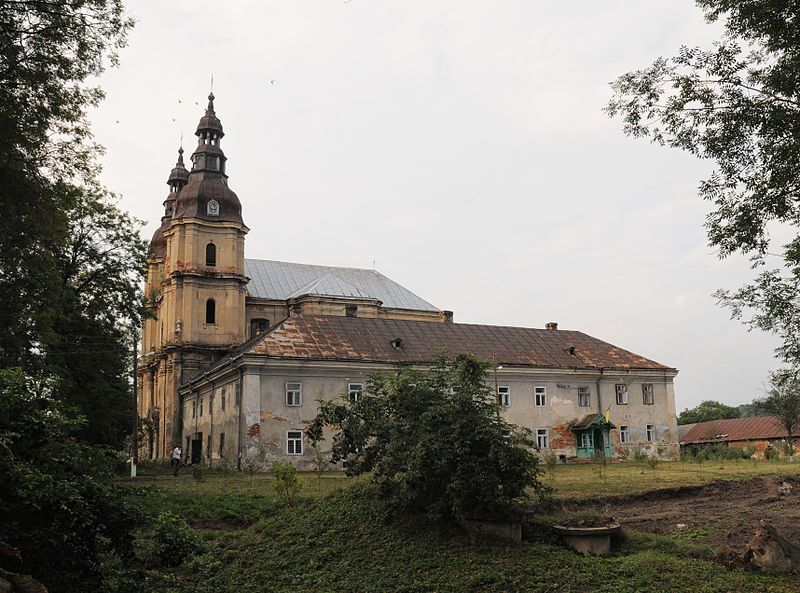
(213, 208)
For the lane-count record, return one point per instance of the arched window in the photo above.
(211, 255)
(211, 311)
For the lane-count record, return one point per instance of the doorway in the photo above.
(197, 448)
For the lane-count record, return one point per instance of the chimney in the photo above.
(551, 325)
(447, 316)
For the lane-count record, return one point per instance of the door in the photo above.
(197, 448)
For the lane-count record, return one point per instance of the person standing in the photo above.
(177, 454)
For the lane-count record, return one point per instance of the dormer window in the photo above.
(211, 255)
(212, 208)
(212, 162)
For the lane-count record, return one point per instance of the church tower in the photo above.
(195, 283)
(204, 264)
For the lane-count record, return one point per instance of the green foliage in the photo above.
(433, 441)
(172, 541)
(707, 410)
(738, 105)
(198, 475)
(348, 541)
(639, 454)
(653, 461)
(58, 505)
(783, 400)
(287, 483)
(599, 462)
(70, 259)
(550, 462)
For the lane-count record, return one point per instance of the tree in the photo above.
(782, 400)
(59, 506)
(738, 105)
(69, 258)
(434, 441)
(707, 410)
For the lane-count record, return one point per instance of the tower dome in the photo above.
(206, 195)
(178, 178)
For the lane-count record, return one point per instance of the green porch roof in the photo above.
(591, 420)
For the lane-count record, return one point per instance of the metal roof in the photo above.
(284, 280)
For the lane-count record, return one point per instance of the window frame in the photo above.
(221, 444)
(650, 432)
(299, 394)
(211, 255)
(543, 433)
(222, 397)
(588, 393)
(537, 393)
(295, 440)
(587, 440)
(504, 397)
(621, 389)
(624, 433)
(354, 394)
(647, 390)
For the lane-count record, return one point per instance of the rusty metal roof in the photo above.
(283, 280)
(364, 339)
(589, 420)
(736, 429)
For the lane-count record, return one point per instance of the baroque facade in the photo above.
(237, 351)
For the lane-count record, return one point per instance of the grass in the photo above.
(340, 538)
(579, 481)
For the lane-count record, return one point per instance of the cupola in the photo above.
(178, 178)
(207, 195)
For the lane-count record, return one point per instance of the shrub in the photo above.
(434, 441)
(287, 483)
(599, 461)
(550, 462)
(172, 540)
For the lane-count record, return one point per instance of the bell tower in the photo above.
(204, 291)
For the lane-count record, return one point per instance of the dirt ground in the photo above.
(715, 514)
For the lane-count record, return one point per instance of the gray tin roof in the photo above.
(284, 280)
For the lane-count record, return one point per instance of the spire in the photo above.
(178, 178)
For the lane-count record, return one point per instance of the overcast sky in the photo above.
(461, 147)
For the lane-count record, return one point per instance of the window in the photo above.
(221, 444)
(222, 399)
(194, 409)
(504, 396)
(624, 434)
(211, 311)
(294, 393)
(201, 407)
(208, 446)
(540, 395)
(583, 397)
(587, 440)
(622, 394)
(647, 394)
(354, 391)
(211, 255)
(238, 394)
(651, 433)
(294, 442)
(213, 208)
(258, 326)
(542, 438)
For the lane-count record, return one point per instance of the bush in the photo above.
(287, 483)
(59, 506)
(172, 540)
(434, 442)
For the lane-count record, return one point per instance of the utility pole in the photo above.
(135, 423)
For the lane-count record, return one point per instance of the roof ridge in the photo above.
(292, 263)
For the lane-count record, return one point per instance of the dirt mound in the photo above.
(722, 513)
